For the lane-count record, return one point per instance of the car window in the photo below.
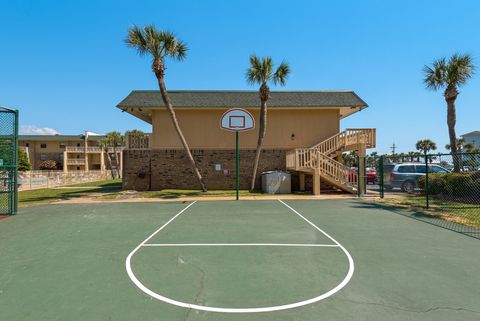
(438, 169)
(421, 168)
(406, 169)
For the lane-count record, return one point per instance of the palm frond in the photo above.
(267, 68)
(460, 68)
(174, 48)
(435, 77)
(254, 72)
(136, 39)
(156, 42)
(280, 76)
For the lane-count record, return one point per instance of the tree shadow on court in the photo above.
(49, 195)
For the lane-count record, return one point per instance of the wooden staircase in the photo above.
(319, 160)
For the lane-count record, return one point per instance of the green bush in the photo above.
(23, 163)
(452, 184)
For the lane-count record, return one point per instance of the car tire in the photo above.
(408, 186)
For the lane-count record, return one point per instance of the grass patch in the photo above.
(457, 212)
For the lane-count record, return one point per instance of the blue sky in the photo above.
(64, 65)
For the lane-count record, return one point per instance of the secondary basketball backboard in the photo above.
(237, 119)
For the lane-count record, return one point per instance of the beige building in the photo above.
(71, 152)
(303, 136)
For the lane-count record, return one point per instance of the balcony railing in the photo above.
(76, 161)
(137, 141)
(94, 149)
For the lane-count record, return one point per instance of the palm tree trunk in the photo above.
(109, 162)
(159, 70)
(451, 94)
(117, 163)
(261, 135)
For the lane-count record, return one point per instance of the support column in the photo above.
(339, 157)
(301, 178)
(86, 154)
(121, 163)
(316, 182)
(102, 161)
(65, 162)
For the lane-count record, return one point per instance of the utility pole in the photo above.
(393, 147)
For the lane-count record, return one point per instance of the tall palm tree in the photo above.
(161, 45)
(261, 73)
(425, 145)
(450, 75)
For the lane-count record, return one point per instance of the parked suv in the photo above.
(405, 176)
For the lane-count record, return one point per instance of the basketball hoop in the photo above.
(237, 120)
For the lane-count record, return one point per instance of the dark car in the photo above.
(405, 176)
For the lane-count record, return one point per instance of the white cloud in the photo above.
(34, 130)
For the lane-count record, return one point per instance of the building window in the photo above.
(43, 156)
(60, 156)
(78, 168)
(43, 145)
(62, 145)
(27, 145)
(78, 144)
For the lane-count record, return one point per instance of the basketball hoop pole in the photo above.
(237, 158)
(236, 120)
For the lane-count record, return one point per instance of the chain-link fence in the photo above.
(442, 189)
(8, 160)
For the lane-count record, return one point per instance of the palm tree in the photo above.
(450, 75)
(462, 146)
(112, 140)
(425, 145)
(161, 45)
(261, 73)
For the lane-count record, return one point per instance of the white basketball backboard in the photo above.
(237, 119)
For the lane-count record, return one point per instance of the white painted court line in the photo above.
(237, 244)
(239, 310)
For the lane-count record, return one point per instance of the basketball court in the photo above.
(234, 260)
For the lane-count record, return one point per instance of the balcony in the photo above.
(76, 161)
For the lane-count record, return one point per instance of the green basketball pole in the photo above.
(237, 158)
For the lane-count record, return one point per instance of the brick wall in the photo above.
(164, 169)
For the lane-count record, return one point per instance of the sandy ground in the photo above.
(89, 200)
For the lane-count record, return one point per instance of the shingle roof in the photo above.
(58, 137)
(245, 99)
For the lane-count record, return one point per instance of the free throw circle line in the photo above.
(237, 310)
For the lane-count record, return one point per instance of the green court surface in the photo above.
(234, 260)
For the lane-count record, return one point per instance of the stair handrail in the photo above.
(342, 139)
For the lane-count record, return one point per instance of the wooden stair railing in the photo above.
(307, 159)
(348, 137)
(318, 157)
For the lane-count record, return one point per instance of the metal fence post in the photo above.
(358, 176)
(426, 180)
(382, 186)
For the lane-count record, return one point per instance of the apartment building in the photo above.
(71, 152)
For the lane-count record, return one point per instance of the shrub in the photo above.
(23, 163)
(49, 164)
(452, 184)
